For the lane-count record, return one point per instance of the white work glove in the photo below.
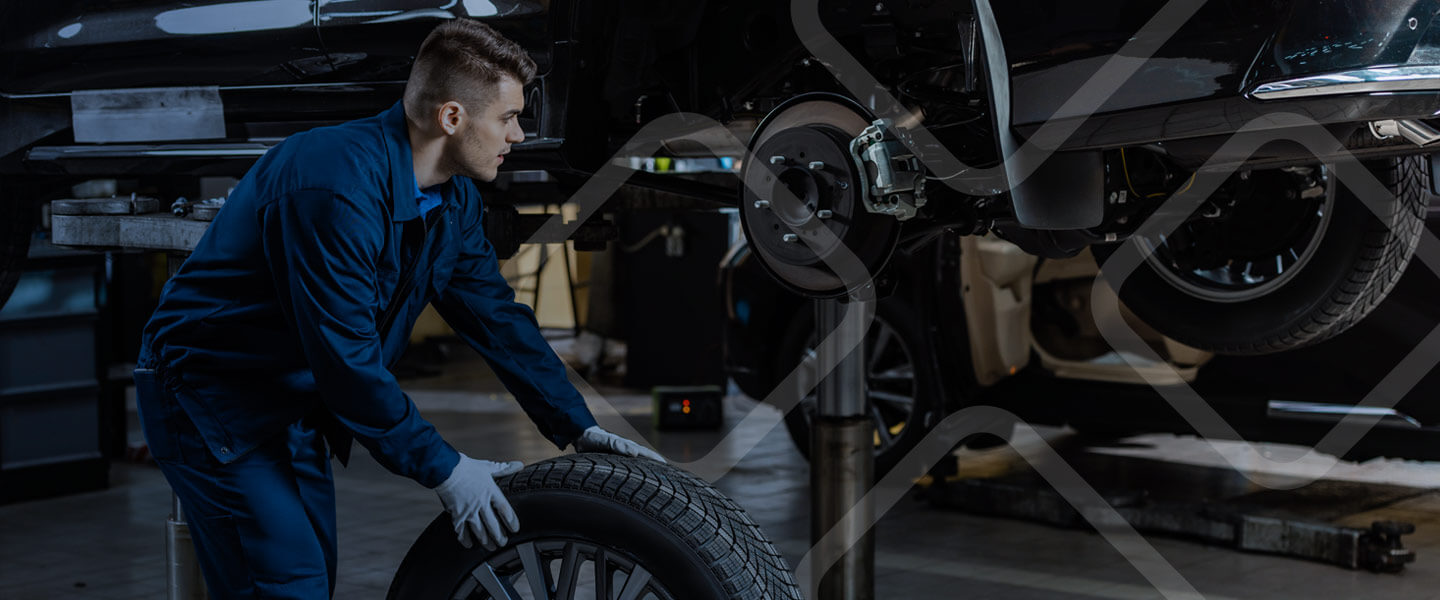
(476, 505)
(596, 439)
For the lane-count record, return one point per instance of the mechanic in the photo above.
(275, 338)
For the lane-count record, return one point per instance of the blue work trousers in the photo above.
(264, 524)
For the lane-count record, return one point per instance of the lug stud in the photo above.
(824, 214)
(762, 204)
(777, 160)
(790, 238)
(817, 166)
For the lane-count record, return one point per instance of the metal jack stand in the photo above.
(842, 464)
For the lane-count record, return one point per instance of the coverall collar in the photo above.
(402, 163)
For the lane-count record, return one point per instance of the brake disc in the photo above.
(801, 171)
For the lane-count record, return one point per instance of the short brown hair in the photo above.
(463, 60)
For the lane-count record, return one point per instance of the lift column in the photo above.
(842, 452)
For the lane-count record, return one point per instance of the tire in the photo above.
(895, 316)
(17, 224)
(643, 518)
(1356, 263)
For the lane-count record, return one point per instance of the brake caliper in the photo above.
(895, 181)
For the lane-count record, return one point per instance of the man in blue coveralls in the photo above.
(276, 336)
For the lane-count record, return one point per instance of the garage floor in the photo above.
(110, 544)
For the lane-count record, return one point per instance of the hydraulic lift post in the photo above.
(842, 458)
(182, 568)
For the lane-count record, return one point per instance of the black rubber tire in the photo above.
(17, 226)
(1359, 260)
(928, 407)
(699, 544)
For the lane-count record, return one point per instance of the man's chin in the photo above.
(486, 175)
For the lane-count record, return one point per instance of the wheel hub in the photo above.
(800, 182)
(1268, 240)
(807, 182)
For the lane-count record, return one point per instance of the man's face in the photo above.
(485, 136)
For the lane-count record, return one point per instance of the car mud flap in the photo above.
(1066, 190)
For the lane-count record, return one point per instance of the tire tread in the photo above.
(1386, 252)
(746, 564)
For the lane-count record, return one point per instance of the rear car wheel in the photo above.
(605, 527)
(899, 382)
(1292, 260)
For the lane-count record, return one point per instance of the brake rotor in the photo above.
(800, 176)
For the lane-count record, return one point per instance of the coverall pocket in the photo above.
(155, 404)
(169, 432)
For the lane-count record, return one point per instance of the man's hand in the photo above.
(596, 439)
(476, 505)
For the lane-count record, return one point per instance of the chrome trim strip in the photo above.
(233, 150)
(1336, 411)
(335, 86)
(252, 149)
(1411, 78)
(532, 144)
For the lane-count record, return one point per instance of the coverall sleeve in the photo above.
(322, 248)
(481, 307)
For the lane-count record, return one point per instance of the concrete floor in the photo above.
(109, 544)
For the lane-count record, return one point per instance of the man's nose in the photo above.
(515, 134)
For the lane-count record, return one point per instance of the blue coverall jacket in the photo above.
(302, 294)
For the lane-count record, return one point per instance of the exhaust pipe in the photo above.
(1416, 131)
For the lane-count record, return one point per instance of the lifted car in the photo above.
(1058, 126)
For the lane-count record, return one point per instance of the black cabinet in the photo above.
(668, 296)
(50, 392)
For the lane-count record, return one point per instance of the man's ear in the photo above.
(452, 116)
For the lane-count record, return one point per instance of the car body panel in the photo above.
(1195, 85)
(59, 47)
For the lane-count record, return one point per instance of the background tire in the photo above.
(898, 326)
(17, 225)
(658, 530)
(1359, 259)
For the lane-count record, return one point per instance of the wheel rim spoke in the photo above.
(881, 428)
(530, 561)
(602, 575)
(635, 584)
(899, 401)
(497, 588)
(898, 373)
(569, 568)
(558, 568)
